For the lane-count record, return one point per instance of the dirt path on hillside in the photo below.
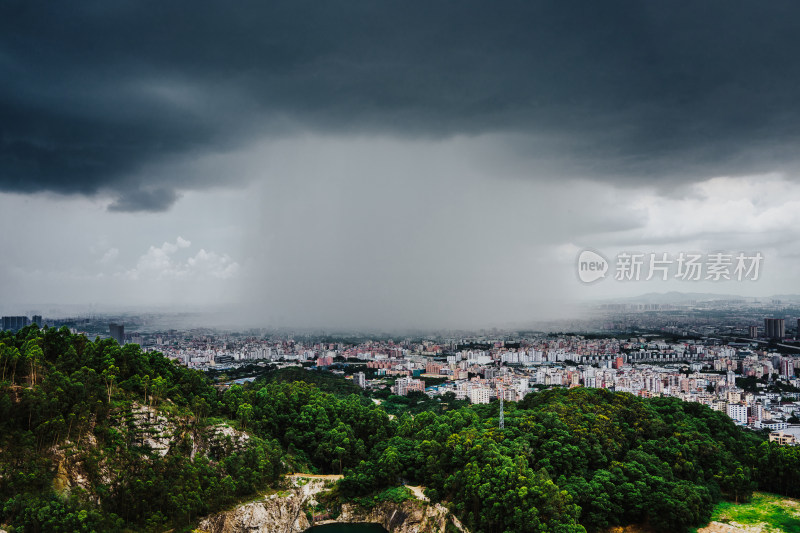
(332, 477)
(719, 527)
(417, 490)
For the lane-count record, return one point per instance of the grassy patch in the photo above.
(776, 513)
(394, 494)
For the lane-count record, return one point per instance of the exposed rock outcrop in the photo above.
(411, 516)
(276, 515)
(148, 429)
(70, 469)
(284, 512)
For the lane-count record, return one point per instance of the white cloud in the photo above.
(720, 212)
(109, 256)
(162, 263)
(213, 265)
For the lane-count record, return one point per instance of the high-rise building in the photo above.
(405, 385)
(774, 328)
(787, 367)
(738, 412)
(753, 332)
(14, 323)
(480, 395)
(117, 332)
(37, 319)
(360, 380)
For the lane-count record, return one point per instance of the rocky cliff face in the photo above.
(411, 516)
(284, 512)
(139, 425)
(276, 515)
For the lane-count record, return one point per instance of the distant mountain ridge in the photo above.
(676, 297)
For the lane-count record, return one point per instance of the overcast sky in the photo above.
(390, 164)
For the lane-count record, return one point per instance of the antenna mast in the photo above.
(501, 393)
(502, 419)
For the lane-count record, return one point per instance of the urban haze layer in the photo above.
(735, 355)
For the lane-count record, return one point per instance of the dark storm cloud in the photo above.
(96, 94)
(153, 200)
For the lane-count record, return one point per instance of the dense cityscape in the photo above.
(720, 353)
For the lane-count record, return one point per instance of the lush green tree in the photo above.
(244, 413)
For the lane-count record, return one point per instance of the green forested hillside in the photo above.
(93, 408)
(94, 437)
